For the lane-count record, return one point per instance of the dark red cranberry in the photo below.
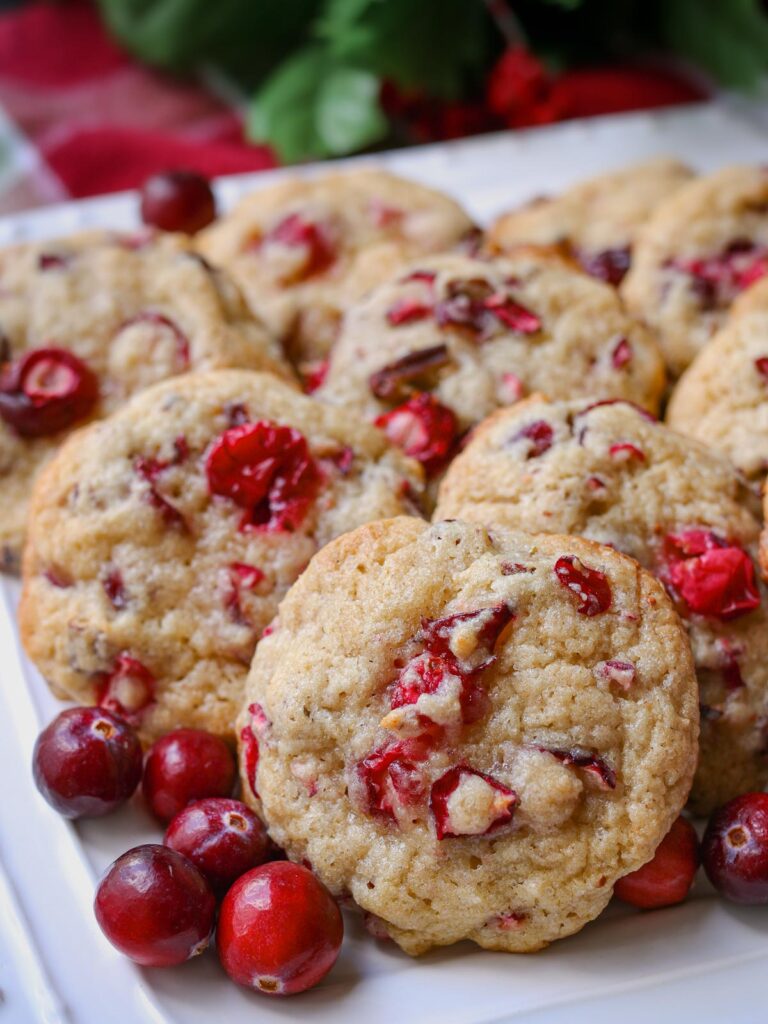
(279, 930)
(407, 311)
(609, 265)
(298, 232)
(127, 690)
(667, 878)
(590, 587)
(223, 839)
(498, 813)
(177, 201)
(472, 306)
(155, 907)
(87, 762)
(424, 429)
(266, 469)
(761, 365)
(713, 578)
(627, 451)
(719, 278)
(45, 391)
(186, 765)
(734, 849)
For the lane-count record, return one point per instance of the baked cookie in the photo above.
(304, 249)
(87, 321)
(450, 338)
(722, 398)
(607, 472)
(439, 726)
(162, 539)
(701, 248)
(597, 220)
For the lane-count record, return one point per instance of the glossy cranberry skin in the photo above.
(177, 201)
(155, 907)
(186, 765)
(87, 762)
(45, 391)
(279, 930)
(667, 878)
(734, 849)
(223, 839)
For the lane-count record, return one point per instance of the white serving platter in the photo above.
(705, 961)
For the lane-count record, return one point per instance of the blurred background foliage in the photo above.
(329, 77)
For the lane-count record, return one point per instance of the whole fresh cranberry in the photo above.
(223, 839)
(155, 907)
(734, 849)
(177, 201)
(186, 765)
(87, 762)
(45, 391)
(666, 878)
(279, 929)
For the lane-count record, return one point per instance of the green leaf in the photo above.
(348, 113)
(729, 38)
(314, 107)
(431, 45)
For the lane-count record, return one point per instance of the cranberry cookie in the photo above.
(606, 472)
(722, 398)
(450, 339)
(87, 321)
(701, 248)
(473, 734)
(162, 539)
(303, 249)
(596, 221)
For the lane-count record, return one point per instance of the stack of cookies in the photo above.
(388, 502)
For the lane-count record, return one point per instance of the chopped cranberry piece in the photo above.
(87, 762)
(315, 379)
(343, 459)
(223, 838)
(513, 315)
(667, 878)
(712, 577)
(620, 672)
(539, 436)
(472, 305)
(731, 670)
(594, 483)
(242, 577)
(761, 365)
(45, 391)
(127, 690)
(393, 381)
(250, 744)
(390, 776)
(596, 766)
(177, 201)
(408, 311)
(236, 413)
(720, 278)
(491, 805)
(622, 354)
(266, 469)
(114, 588)
(149, 470)
(627, 451)
(155, 907)
(609, 265)
(159, 320)
(511, 389)
(509, 921)
(53, 260)
(475, 648)
(295, 231)
(590, 587)
(735, 849)
(513, 568)
(424, 429)
(279, 930)
(427, 276)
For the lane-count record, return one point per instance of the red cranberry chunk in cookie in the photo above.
(425, 430)
(46, 391)
(712, 577)
(466, 802)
